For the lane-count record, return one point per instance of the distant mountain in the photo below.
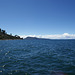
(31, 38)
(4, 35)
(36, 38)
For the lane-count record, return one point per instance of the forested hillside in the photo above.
(4, 35)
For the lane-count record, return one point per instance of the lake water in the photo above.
(37, 57)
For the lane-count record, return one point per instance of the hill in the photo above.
(5, 36)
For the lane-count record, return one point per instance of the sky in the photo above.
(39, 18)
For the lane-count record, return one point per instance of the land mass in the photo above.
(5, 36)
(32, 38)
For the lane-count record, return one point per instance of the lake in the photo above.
(37, 57)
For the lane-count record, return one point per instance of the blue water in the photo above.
(37, 57)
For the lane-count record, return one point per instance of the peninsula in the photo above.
(5, 36)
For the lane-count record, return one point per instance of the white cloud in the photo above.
(57, 36)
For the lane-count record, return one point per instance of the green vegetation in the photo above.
(5, 36)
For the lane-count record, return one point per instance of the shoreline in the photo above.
(11, 39)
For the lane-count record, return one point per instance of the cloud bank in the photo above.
(57, 36)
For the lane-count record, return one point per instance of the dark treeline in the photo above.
(4, 35)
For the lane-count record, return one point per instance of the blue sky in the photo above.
(37, 17)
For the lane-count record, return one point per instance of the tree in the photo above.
(3, 31)
(17, 36)
(0, 29)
